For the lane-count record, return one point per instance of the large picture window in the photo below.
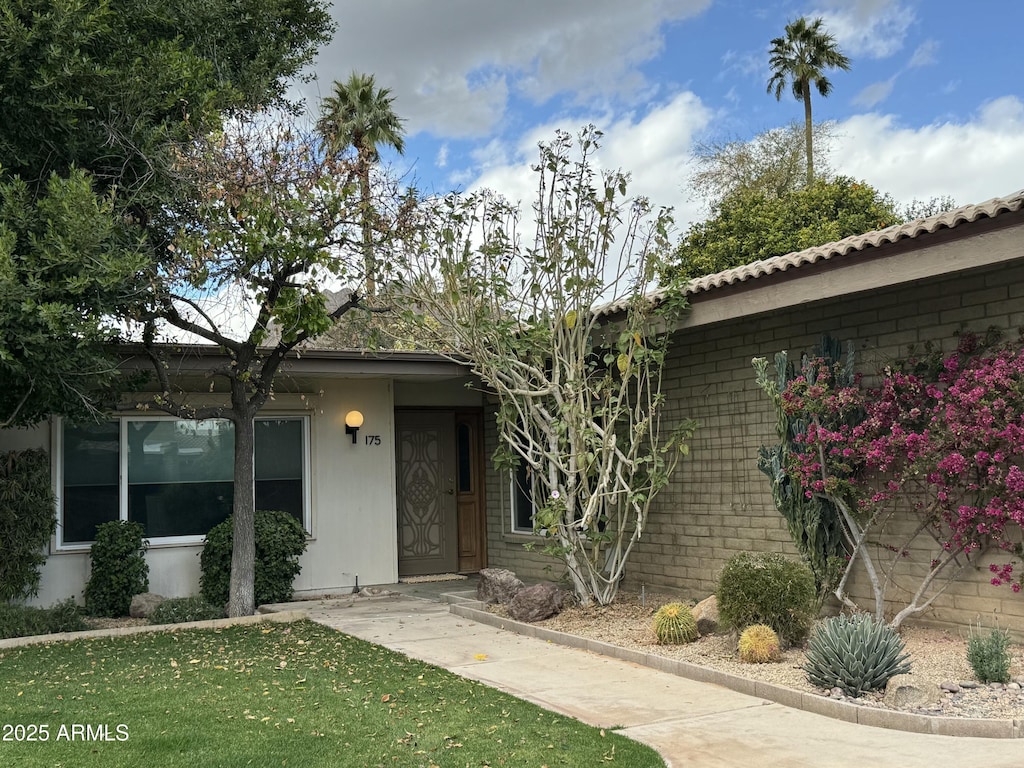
(175, 476)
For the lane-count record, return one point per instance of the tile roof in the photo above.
(845, 247)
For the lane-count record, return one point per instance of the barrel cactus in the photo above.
(674, 624)
(856, 654)
(759, 645)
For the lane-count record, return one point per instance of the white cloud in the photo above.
(654, 146)
(453, 65)
(874, 93)
(872, 28)
(442, 156)
(925, 54)
(971, 161)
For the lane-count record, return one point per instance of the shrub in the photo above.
(674, 624)
(759, 645)
(180, 609)
(27, 519)
(989, 657)
(280, 541)
(25, 621)
(854, 653)
(119, 569)
(767, 588)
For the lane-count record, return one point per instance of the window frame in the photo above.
(514, 496)
(57, 454)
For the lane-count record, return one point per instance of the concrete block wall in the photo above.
(718, 503)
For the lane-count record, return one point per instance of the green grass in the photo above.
(276, 695)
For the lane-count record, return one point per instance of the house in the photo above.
(401, 494)
(883, 291)
(413, 491)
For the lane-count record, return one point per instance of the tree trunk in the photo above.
(365, 213)
(242, 600)
(808, 133)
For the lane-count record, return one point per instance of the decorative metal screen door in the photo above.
(427, 517)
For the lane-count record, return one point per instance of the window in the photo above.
(522, 499)
(175, 476)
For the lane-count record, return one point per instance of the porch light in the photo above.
(353, 421)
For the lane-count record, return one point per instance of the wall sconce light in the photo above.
(353, 421)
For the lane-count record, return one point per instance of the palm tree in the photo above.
(800, 59)
(359, 115)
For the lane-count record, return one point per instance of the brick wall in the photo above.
(718, 502)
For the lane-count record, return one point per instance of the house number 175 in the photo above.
(372, 439)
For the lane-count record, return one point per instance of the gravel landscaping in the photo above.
(938, 658)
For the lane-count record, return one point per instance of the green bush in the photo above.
(767, 588)
(989, 656)
(854, 653)
(180, 609)
(25, 621)
(280, 541)
(119, 568)
(27, 520)
(674, 624)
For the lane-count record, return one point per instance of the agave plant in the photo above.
(856, 654)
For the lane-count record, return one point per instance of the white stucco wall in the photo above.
(352, 496)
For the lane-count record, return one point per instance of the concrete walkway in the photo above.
(692, 724)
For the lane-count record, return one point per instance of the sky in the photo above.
(933, 104)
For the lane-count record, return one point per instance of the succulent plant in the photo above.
(759, 645)
(674, 624)
(856, 654)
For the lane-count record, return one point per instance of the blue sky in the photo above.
(933, 104)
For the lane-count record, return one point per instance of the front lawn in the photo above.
(296, 694)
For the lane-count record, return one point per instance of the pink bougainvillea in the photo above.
(949, 446)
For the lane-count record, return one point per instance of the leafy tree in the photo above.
(273, 215)
(96, 96)
(772, 163)
(750, 226)
(800, 59)
(360, 115)
(579, 389)
(66, 264)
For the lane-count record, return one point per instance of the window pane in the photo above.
(279, 470)
(522, 501)
(180, 475)
(90, 467)
(464, 447)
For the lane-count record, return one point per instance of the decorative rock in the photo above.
(903, 692)
(497, 585)
(536, 603)
(968, 684)
(706, 614)
(1013, 686)
(996, 686)
(950, 687)
(143, 605)
(836, 693)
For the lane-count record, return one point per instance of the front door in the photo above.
(428, 528)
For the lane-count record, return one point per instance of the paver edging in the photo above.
(808, 702)
(282, 617)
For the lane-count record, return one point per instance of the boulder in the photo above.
(706, 614)
(142, 605)
(536, 603)
(907, 692)
(497, 585)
